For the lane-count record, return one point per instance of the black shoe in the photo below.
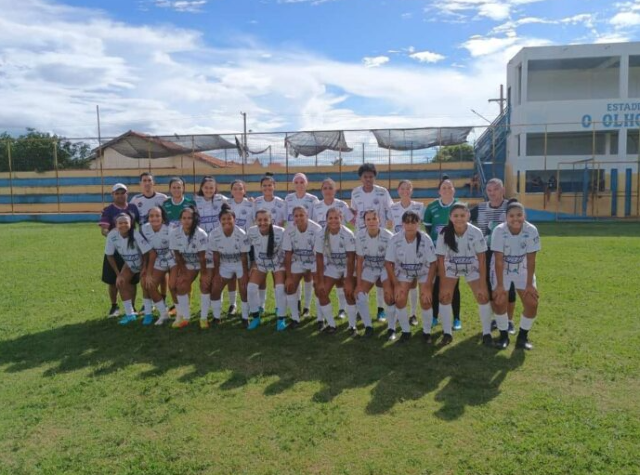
(114, 311)
(523, 344)
(405, 337)
(305, 313)
(294, 324)
(368, 332)
(413, 320)
(330, 330)
(447, 339)
(503, 342)
(428, 339)
(320, 326)
(494, 325)
(487, 340)
(231, 311)
(245, 323)
(391, 335)
(353, 332)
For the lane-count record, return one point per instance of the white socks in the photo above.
(148, 306)
(162, 308)
(245, 310)
(263, 298)
(446, 317)
(292, 302)
(427, 316)
(486, 315)
(281, 301)
(205, 303)
(253, 296)
(526, 323)
(362, 303)
(327, 313)
(391, 317)
(403, 319)
(352, 315)
(217, 309)
(502, 321)
(128, 307)
(342, 301)
(413, 297)
(308, 294)
(380, 297)
(183, 307)
(232, 298)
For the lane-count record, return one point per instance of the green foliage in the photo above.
(455, 153)
(82, 395)
(34, 151)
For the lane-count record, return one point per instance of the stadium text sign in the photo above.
(619, 115)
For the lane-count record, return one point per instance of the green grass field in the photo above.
(79, 394)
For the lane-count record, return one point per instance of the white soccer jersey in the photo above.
(244, 212)
(292, 201)
(260, 245)
(373, 249)
(397, 210)
(209, 211)
(189, 250)
(132, 256)
(160, 243)
(335, 254)
(465, 261)
(410, 260)
(276, 206)
(302, 245)
(231, 247)
(515, 248)
(144, 204)
(320, 211)
(378, 199)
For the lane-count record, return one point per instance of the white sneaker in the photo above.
(160, 321)
(114, 312)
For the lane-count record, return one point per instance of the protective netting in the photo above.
(309, 144)
(417, 139)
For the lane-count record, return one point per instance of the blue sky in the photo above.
(183, 66)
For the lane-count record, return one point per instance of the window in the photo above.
(573, 143)
(632, 141)
(634, 76)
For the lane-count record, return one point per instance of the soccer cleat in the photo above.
(447, 339)
(160, 321)
(512, 328)
(320, 326)
(382, 315)
(413, 321)
(305, 313)
(391, 335)
(172, 311)
(405, 337)
(179, 323)
(434, 322)
(147, 320)
(523, 344)
(204, 324)
(487, 341)
(503, 341)
(281, 324)
(341, 314)
(494, 325)
(128, 319)
(330, 330)
(216, 321)
(353, 332)
(457, 324)
(294, 324)
(245, 322)
(114, 311)
(231, 311)
(368, 332)
(254, 323)
(428, 339)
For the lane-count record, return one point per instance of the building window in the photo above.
(634, 76)
(573, 79)
(632, 141)
(573, 143)
(519, 86)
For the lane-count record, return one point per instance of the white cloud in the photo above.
(427, 57)
(374, 61)
(497, 10)
(194, 6)
(626, 19)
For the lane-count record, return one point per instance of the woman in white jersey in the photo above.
(335, 251)
(230, 247)
(159, 263)
(411, 258)
(268, 257)
(371, 248)
(461, 249)
(244, 211)
(299, 258)
(300, 197)
(319, 215)
(131, 246)
(270, 202)
(189, 245)
(397, 210)
(515, 244)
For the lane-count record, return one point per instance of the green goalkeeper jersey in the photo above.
(436, 217)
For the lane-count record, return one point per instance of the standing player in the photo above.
(130, 246)
(371, 196)
(371, 248)
(299, 258)
(270, 202)
(230, 247)
(515, 244)
(189, 244)
(148, 198)
(244, 211)
(319, 215)
(436, 217)
(487, 215)
(107, 223)
(301, 198)
(176, 202)
(335, 249)
(397, 210)
(461, 249)
(266, 245)
(411, 258)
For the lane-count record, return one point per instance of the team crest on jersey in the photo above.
(376, 201)
(381, 248)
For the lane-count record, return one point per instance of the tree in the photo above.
(34, 151)
(455, 153)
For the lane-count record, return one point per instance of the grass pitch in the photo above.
(80, 395)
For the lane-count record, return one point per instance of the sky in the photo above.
(163, 67)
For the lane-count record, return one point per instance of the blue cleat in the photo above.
(434, 322)
(147, 320)
(127, 319)
(255, 323)
(457, 324)
(281, 325)
(382, 315)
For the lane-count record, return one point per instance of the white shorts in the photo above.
(164, 265)
(208, 255)
(266, 270)
(404, 277)
(372, 275)
(469, 271)
(229, 270)
(519, 281)
(334, 272)
(298, 267)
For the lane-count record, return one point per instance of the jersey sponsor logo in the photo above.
(513, 259)
(462, 260)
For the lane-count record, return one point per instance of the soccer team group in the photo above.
(235, 242)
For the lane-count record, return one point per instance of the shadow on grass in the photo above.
(463, 374)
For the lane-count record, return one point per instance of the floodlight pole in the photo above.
(244, 140)
(101, 157)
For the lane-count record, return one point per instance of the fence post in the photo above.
(363, 153)
(193, 162)
(10, 174)
(286, 158)
(638, 180)
(55, 166)
(340, 170)
(389, 165)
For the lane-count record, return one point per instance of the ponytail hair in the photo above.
(268, 176)
(163, 215)
(196, 220)
(226, 209)
(514, 203)
(131, 241)
(449, 232)
(271, 244)
(244, 185)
